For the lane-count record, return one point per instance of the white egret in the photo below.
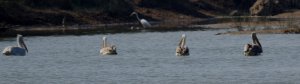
(19, 50)
(253, 49)
(144, 22)
(182, 49)
(63, 22)
(107, 49)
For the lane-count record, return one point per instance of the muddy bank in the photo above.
(91, 29)
(266, 25)
(237, 25)
(273, 31)
(160, 26)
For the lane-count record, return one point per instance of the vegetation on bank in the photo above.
(80, 12)
(51, 12)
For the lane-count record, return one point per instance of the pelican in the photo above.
(19, 50)
(144, 22)
(107, 49)
(182, 49)
(253, 49)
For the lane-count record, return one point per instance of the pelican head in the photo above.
(253, 34)
(247, 47)
(19, 35)
(183, 35)
(104, 38)
(182, 41)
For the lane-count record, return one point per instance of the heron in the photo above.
(182, 49)
(19, 50)
(142, 21)
(107, 49)
(253, 49)
(63, 22)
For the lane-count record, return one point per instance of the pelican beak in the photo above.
(183, 35)
(182, 41)
(25, 46)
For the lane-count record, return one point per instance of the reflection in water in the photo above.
(148, 57)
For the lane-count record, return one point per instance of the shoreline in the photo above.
(273, 31)
(244, 23)
(89, 29)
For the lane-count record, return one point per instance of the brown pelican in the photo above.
(107, 49)
(144, 22)
(253, 49)
(182, 49)
(19, 50)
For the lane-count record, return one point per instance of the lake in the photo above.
(149, 58)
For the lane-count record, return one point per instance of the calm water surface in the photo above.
(149, 58)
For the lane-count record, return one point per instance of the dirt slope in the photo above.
(51, 12)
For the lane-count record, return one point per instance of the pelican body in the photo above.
(253, 49)
(107, 49)
(143, 22)
(19, 50)
(182, 49)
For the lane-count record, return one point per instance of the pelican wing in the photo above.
(108, 51)
(246, 47)
(23, 45)
(11, 50)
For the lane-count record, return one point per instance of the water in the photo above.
(149, 58)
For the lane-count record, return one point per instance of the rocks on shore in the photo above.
(272, 7)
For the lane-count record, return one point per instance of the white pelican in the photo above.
(253, 49)
(107, 49)
(182, 49)
(144, 22)
(19, 50)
